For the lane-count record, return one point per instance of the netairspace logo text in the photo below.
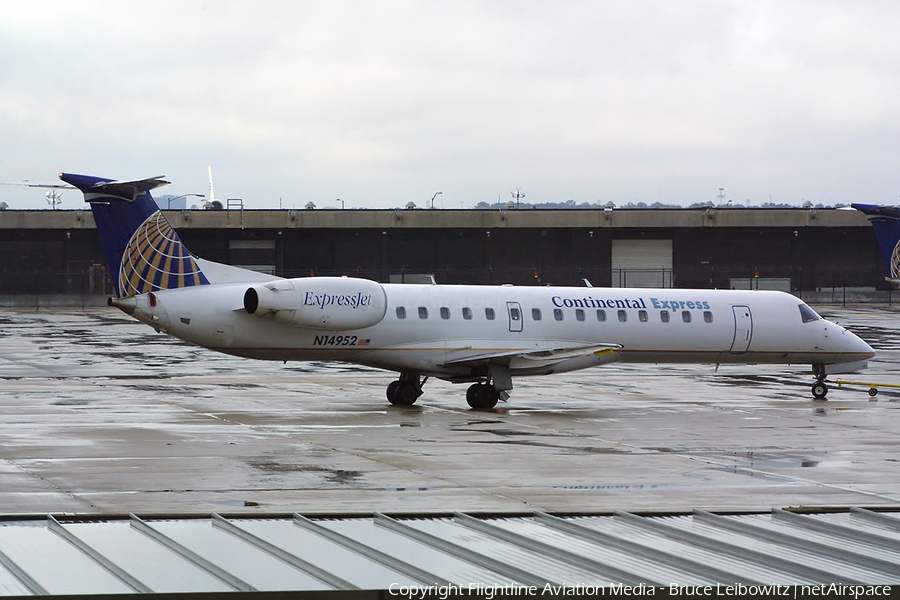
(782, 591)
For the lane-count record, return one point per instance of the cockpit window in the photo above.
(807, 314)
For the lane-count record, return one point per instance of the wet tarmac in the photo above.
(100, 414)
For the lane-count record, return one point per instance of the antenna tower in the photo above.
(54, 198)
(518, 195)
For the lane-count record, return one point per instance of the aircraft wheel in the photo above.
(482, 396)
(819, 390)
(404, 394)
(391, 391)
(472, 394)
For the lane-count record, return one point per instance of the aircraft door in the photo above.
(515, 316)
(743, 329)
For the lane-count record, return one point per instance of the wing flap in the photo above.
(537, 357)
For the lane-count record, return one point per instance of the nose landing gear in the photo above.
(819, 388)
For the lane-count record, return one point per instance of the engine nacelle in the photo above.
(333, 303)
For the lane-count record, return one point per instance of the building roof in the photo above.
(458, 219)
(90, 555)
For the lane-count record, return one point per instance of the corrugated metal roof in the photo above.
(81, 555)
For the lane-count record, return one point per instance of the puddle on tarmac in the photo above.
(331, 475)
(810, 460)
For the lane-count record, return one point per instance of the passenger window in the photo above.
(807, 314)
(642, 316)
(536, 314)
(467, 313)
(514, 314)
(579, 314)
(489, 314)
(445, 312)
(686, 316)
(623, 316)
(557, 314)
(664, 316)
(707, 316)
(601, 316)
(401, 312)
(423, 312)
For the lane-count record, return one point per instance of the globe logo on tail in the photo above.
(155, 259)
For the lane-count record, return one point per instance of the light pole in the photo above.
(433, 197)
(341, 201)
(169, 203)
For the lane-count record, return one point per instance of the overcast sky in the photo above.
(380, 103)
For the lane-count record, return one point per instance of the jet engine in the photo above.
(332, 303)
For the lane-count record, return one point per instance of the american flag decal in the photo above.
(363, 342)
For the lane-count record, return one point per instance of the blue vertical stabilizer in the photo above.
(886, 223)
(143, 252)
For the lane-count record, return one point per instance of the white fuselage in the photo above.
(442, 330)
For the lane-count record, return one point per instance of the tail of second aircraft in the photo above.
(143, 252)
(886, 223)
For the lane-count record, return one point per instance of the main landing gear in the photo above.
(819, 388)
(482, 396)
(406, 390)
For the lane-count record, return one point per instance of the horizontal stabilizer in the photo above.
(96, 187)
(873, 210)
(539, 357)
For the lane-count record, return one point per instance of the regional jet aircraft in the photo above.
(482, 335)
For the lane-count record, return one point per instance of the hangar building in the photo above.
(798, 250)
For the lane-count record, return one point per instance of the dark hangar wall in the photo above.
(60, 251)
(702, 257)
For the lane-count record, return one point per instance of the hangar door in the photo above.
(642, 263)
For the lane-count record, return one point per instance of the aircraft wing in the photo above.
(537, 357)
(26, 183)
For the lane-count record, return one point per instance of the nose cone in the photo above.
(849, 345)
(864, 348)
